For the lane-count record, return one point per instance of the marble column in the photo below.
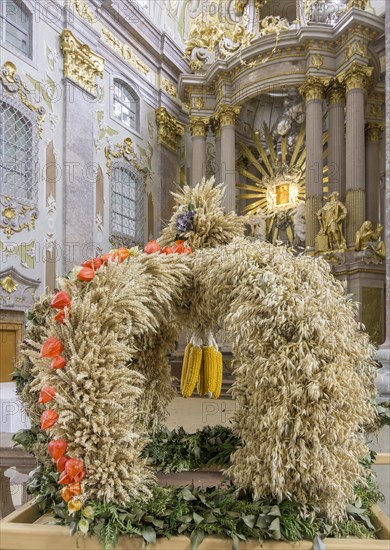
(226, 116)
(355, 80)
(373, 139)
(217, 134)
(383, 355)
(198, 127)
(313, 92)
(336, 140)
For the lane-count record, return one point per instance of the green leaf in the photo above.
(197, 518)
(149, 534)
(187, 495)
(275, 525)
(236, 542)
(249, 521)
(318, 543)
(196, 538)
(275, 511)
(261, 522)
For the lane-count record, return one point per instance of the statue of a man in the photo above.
(367, 237)
(331, 217)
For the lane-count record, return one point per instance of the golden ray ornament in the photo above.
(278, 175)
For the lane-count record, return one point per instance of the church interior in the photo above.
(200, 191)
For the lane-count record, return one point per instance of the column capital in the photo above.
(336, 94)
(199, 125)
(374, 130)
(226, 115)
(313, 88)
(169, 129)
(355, 77)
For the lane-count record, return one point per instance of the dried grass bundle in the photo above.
(212, 226)
(301, 369)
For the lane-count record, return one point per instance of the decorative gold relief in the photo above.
(227, 115)
(83, 10)
(125, 151)
(356, 77)
(199, 125)
(15, 216)
(240, 5)
(336, 93)
(360, 4)
(8, 284)
(81, 64)
(374, 131)
(169, 129)
(317, 60)
(13, 84)
(169, 87)
(198, 103)
(124, 51)
(359, 47)
(313, 88)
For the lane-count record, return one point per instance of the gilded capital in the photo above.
(313, 88)
(169, 129)
(81, 64)
(226, 115)
(356, 77)
(199, 125)
(374, 131)
(336, 94)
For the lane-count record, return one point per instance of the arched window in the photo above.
(17, 152)
(17, 23)
(127, 204)
(126, 104)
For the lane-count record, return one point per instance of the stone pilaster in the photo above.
(336, 140)
(78, 177)
(313, 92)
(226, 117)
(217, 134)
(383, 354)
(198, 128)
(373, 138)
(355, 80)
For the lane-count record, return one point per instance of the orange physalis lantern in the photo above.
(167, 250)
(52, 347)
(46, 394)
(151, 247)
(79, 476)
(94, 263)
(73, 467)
(61, 300)
(57, 448)
(58, 362)
(65, 479)
(86, 274)
(48, 419)
(60, 463)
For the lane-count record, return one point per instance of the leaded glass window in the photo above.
(16, 153)
(126, 104)
(127, 203)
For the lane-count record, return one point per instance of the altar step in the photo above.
(227, 379)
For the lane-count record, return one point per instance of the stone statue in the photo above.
(327, 11)
(369, 238)
(257, 225)
(331, 217)
(292, 117)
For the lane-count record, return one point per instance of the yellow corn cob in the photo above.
(219, 372)
(200, 383)
(192, 374)
(209, 369)
(184, 368)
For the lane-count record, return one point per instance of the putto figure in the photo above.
(331, 217)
